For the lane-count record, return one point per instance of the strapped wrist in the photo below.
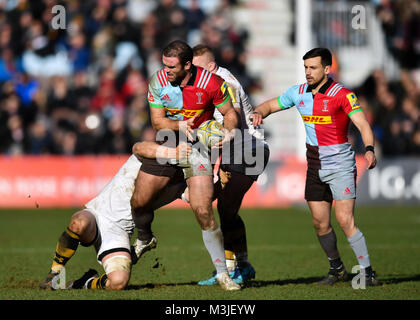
(369, 148)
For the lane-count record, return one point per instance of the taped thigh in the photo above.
(117, 263)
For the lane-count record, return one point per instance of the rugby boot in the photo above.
(242, 275)
(334, 276)
(213, 279)
(82, 282)
(140, 247)
(226, 282)
(372, 280)
(47, 283)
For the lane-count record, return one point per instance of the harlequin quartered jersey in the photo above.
(200, 96)
(326, 116)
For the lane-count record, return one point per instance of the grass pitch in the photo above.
(282, 246)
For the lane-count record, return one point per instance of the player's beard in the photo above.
(316, 84)
(179, 77)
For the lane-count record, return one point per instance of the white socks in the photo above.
(213, 241)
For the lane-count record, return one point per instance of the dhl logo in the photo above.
(317, 119)
(185, 112)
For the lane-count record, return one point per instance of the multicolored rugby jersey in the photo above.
(326, 116)
(203, 92)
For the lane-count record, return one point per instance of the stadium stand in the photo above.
(81, 90)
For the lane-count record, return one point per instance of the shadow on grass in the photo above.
(250, 284)
(310, 280)
(158, 285)
(282, 282)
(404, 278)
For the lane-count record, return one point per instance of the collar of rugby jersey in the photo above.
(191, 81)
(324, 87)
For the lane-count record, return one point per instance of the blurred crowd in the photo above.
(82, 89)
(393, 110)
(393, 107)
(400, 21)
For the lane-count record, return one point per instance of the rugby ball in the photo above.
(210, 132)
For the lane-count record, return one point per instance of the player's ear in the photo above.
(211, 66)
(187, 65)
(327, 69)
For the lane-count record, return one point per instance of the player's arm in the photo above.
(264, 110)
(231, 119)
(285, 101)
(222, 100)
(157, 109)
(235, 90)
(352, 108)
(158, 114)
(361, 123)
(152, 150)
(161, 122)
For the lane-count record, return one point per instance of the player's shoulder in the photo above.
(159, 79)
(227, 76)
(337, 89)
(207, 80)
(297, 89)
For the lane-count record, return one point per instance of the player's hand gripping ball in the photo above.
(210, 133)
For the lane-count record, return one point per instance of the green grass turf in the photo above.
(282, 245)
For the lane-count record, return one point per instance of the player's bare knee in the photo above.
(79, 223)
(118, 280)
(204, 217)
(135, 201)
(201, 211)
(321, 227)
(138, 203)
(117, 268)
(346, 221)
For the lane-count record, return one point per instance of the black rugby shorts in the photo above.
(315, 189)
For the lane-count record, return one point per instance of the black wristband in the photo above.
(370, 148)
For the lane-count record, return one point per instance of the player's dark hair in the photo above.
(180, 50)
(324, 53)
